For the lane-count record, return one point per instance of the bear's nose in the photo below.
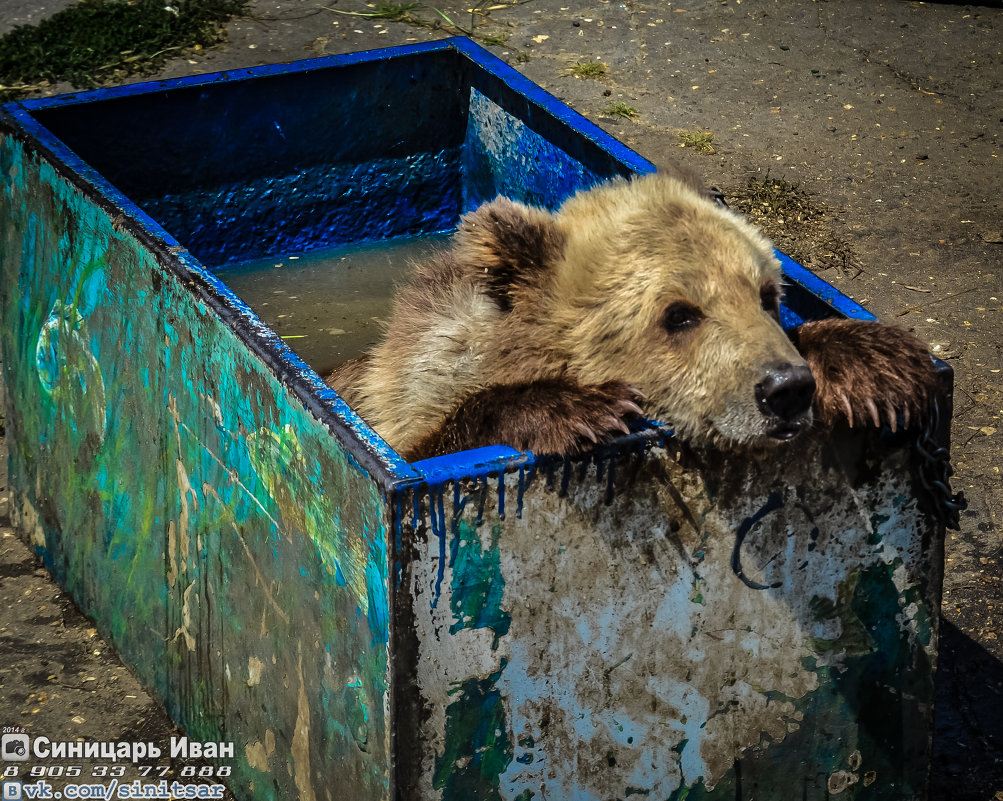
(786, 391)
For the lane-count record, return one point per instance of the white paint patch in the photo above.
(258, 752)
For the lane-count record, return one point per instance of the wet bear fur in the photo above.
(550, 332)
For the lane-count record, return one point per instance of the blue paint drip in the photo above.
(549, 464)
(435, 522)
(565, 478)
(459, 502)
(522, 489)
(416, 508)
(440, 509)
(435, 512)
(454, 541)
(610, 474)
(481, 498)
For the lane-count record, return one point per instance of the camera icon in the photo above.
(14, 748)
(12, 791)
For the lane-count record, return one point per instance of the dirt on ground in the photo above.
(863, 136)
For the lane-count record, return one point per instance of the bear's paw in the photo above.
(867, 373)
(556, 416)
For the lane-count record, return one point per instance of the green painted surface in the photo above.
(216, 531)
(478, 584)
(478, 749)
(477, 744)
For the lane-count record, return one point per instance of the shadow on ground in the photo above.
(968, 739)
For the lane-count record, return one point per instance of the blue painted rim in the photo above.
(557, 109)
(375, 456)
(231, 76)
(825, 292)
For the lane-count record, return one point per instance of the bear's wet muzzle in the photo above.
(784, 396)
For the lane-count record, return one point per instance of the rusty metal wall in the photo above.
(722, 628)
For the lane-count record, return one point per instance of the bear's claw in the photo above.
(614, 424)
(845, 403)
(867, 373)
(585, 431)
(598, 412)
(631, 407)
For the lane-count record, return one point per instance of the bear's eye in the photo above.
(680, 315)
(769, 296)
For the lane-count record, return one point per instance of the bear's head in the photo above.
(651, 282)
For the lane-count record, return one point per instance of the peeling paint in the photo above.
(158, 523)
(185, 630)
(254, 668)
(625, 653)
(841, 781)
(301, 738)
(255, 755)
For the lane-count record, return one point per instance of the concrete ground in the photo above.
(883, 119)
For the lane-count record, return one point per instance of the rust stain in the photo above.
(254, 668)
(301, 738)
(172, 547)
(185, 629)
(258, 753)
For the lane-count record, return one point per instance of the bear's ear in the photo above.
(508, 245)
(692, 180)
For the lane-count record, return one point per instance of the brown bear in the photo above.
(550, 331)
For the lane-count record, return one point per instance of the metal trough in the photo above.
(648, 621)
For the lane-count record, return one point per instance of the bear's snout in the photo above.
(786, 393)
